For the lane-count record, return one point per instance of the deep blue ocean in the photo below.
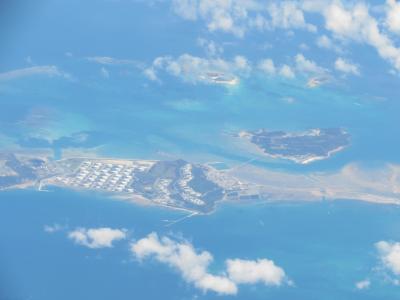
(324, 248)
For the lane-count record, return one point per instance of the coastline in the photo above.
(143, 202)
(247, 183)
(246, 137)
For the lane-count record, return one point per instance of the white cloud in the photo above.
(288, 15)
(314, 6)
(393, 16)
(193, 265)
(346, 20)
(97, 237)
(267, 66)
(343, 22)
(302, 66)
(324, 42)
(241, 63)
(195, 69)
(151, 74)
(306, 66)
(346, 67)
(210, 47)
(287, 72)
(390, 255)
(238, 16)
(355, 23)
(363, 285)
(255, 271)
(187, 9)
(219, 15)
(259, 22)
(50, 71)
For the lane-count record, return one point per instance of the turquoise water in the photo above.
(123, 119)
(323, 247)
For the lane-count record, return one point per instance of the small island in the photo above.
(220, 78)
(300, 147)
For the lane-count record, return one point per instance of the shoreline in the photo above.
(143, 202)
(246, 137)
(264, 185)
(218, 204)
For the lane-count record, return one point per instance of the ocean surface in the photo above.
(125, 118)
(324, 248)
(128, 116)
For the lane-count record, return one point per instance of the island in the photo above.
(176, 184)
(194, 187)
(300, 147)
(317, 81)
(220, 78)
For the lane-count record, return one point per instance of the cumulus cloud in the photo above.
(345, 20)
(194, 265)
(238, 16)
(219, 15)
(187, 9)
(255, 271)
(241, 63)
(267, 66)
(97, 237)
(346, 67)
(151, 74)
(355, 23)
(195, 69)
(363, 284)
(314, 6)
(288, 15)
(287, 72)
(50, 71)
(210, 47)
(306, 66)
(393, 16)
(324, 42)
(300, 65)
(389, 253)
